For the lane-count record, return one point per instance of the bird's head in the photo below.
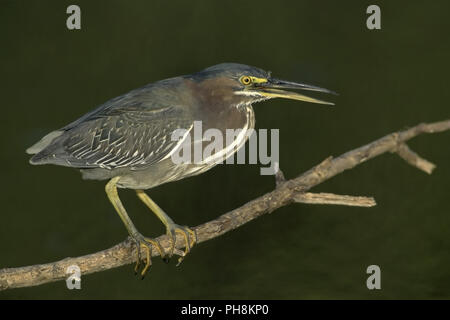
(246, 84)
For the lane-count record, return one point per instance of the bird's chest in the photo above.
(228, 118)
(219, 136)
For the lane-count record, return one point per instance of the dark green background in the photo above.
(387, 79)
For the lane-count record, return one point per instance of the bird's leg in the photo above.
(111, 191)
(171, 227)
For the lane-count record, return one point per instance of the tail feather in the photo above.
(41, 149)
(44, 142)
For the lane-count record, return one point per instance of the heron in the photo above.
(128, 139)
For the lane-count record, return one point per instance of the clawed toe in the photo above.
(147, 244)
(187, 233)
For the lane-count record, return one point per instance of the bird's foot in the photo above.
(147, 244)
(186, 232)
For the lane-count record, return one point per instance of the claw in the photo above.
(186, 232)
(155, 244)
(138, 261)
(181, 258)
(147, 244)
(148, 262)
(173, 239)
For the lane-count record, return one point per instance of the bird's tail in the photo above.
(40, 149)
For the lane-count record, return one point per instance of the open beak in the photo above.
(273, 88)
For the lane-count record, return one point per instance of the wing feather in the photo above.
(132, 140)
(133, 130)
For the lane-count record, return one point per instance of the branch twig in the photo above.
(286, 192)
(331, 198)
(414, 159)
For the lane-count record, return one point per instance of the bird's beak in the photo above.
(273, 88)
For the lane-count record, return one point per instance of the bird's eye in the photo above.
(245, 80)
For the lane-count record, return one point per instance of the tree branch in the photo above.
(286, 192)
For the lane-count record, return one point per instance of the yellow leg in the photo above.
(171, 227)
(111, 191)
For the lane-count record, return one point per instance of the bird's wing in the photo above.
(124, 138)
(133, 130)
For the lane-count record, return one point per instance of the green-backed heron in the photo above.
(128, 139)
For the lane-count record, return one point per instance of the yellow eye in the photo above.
(245, 80)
